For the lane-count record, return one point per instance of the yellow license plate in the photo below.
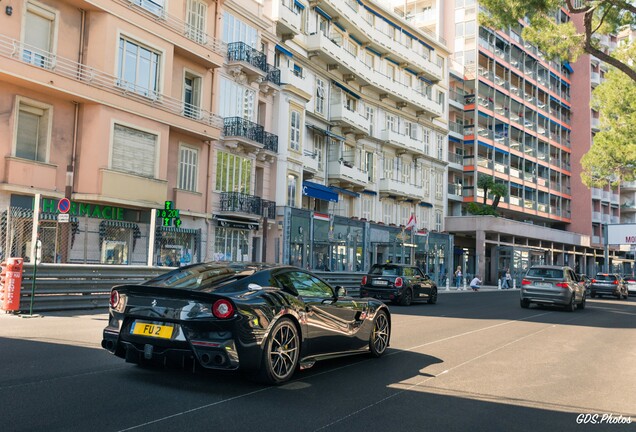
(163, 331)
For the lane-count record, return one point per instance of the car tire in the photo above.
(582, 304)
(281, 353)
(407, 297)
(432, 298)
(525, 303)
(381, 334)
(571, 307)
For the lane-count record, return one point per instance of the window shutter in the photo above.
(27, 139)
(134, 151)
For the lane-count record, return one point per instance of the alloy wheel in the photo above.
(380, 335)
(283, 351)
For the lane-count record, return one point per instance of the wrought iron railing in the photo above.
(244, 203)
(237, 126)
(270, 142)
(240, 51)
(273, 74)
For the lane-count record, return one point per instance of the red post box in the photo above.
(12, 284)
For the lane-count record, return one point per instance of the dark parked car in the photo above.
(608, 284)
(267, 320)
(399, 283)
(552, 285)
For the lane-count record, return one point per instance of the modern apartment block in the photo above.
(511, 117)
(363, 103)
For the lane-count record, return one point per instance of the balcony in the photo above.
(289, 21)
(293, 78)
(597, 193)
(243, 204)
(628, 207)
(628, 185)
(402, 141)
(98, 82)
(399, 188)
(347, 174)
(456, 158)
(380, 41)
(455, 190)
(331, 51)
(596, 124)
(202, 44)
(595, 78)
(238, 131)
(310, 162)
(350, 121)
(242, 58)
(132, 188)
(597, 217)
(29, 173)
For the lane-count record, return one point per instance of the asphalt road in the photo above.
(473, 362)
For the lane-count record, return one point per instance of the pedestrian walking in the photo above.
(458, 277)
(475, 284)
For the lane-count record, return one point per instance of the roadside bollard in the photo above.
(463, 288)
(514, 284)
(447, 284)
(499, 284)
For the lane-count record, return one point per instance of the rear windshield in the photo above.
(386, 270)
(605, 277)
(546, 273)
(203, 276)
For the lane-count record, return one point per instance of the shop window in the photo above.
(117, 241)
(134, 151)
(33, 131)
(292, 190)
(177, 246)
(231, 244)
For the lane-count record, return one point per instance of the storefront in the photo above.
(234, 240)
(176, 246)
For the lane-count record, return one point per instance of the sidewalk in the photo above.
(452, 289)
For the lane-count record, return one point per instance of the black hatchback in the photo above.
(399, 283)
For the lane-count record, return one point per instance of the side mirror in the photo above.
(341, 291)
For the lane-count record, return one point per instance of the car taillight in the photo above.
(525, 282)
(593, 280)
(364, 280)
(114, 298)
(398, 282)
(222, 309)
(562, 285)
(615, 282)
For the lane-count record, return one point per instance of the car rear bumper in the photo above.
(562, 298)
(613, 290)
(390, 294)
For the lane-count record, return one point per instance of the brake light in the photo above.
(593, 280)
(222, 309)
(364, 280)
(525, 282)
(562, 285)
(615, 282)
(114, 298)
(398, 282)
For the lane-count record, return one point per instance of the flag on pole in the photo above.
(412, 222)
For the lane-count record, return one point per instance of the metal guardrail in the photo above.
(64, 287)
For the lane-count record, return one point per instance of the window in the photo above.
(188, 168)
(233, 173)
(195, 30)
(306, 285)
(138, 68)
(440, 146)
(367, 207)
(320, 96)
(411, 130)
(391, 122)
(438, 220)
(369, 59)
(39, 26)
(33, 131)
(440, 98)
(237, 100)
(134, 151)
(426, 138)
(231, 244)
(191, 95)
(292, 189)
(370, 166)
(439, 184)
(390, 71)
(388, 167)
(387, 212)
(371, 118)
(319, 149)
(294, 130)
(154, 6)
(426, 181)
(235, 30)
(323, 25)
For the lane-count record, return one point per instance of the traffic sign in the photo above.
(63, 217)
(64, 205)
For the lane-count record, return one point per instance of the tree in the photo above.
(612, 157)
(561, 40)
(497, 190)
